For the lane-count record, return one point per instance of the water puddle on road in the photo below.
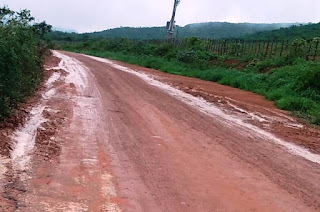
(213, 111)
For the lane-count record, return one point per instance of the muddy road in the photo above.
(107, 136)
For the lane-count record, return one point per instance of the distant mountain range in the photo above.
(212, 30)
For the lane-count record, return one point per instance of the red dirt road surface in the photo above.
(107, 136)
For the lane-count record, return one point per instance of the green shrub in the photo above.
(21, 54)
(187, 56)
(309, 78)
(295, 103)
(298, 47)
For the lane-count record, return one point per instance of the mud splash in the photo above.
(213, 111)
(55, 76)
(252, 115)
(25, 137)
(77, 72)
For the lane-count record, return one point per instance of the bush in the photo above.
(309, 78)
(187, 56)
(298, 47)
(21, 54)
(295, 103)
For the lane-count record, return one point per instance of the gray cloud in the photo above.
(95, 15)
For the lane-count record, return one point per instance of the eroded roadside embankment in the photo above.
(37, 156)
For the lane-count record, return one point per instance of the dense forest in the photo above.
(307, 32)
(212, 30)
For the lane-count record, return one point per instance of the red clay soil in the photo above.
(118, 142)
(280, 122)
(231, 62)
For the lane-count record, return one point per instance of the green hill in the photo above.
(307, 32)
(217, 30)
(212, 30)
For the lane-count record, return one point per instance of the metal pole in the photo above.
(172, 22)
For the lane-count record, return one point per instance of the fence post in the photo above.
(267, 49)
(288, 48)
(227, 48)
(316, 51)
(309, 50)
(271, 47)
(282, 45)
(221, 47)
(276, 48)
(243, 48)
(257, 46)
(236, 47)
(253, 48)
(217, 47)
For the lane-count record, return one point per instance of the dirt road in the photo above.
(108, 136)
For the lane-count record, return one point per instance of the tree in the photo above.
(42, 28)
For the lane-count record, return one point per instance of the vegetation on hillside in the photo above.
(307, 32)
(22, 48)
(215, 30)
(291, 84)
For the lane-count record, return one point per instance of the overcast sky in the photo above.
(96, 15)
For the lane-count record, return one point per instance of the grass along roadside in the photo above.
(292, 87)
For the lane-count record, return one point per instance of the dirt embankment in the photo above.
(49, 165)
(34, 119)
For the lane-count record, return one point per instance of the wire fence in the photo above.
(310, 50)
